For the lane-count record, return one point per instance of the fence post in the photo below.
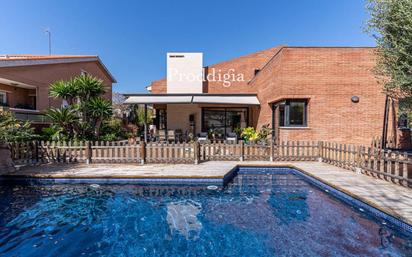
(359, 164)
(405, 169)
(242, 151)
(88, 152)
(196, 151)
(320, 151)
(36, 151)
(142, 152)
(272, 150)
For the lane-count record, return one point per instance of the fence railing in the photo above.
(169, 153)
(384, 164)
(389, 165)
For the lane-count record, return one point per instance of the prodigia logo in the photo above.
(226, 78)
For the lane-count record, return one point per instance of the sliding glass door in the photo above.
(221, 121)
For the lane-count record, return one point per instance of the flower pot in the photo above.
(6, 163)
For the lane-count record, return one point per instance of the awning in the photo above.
(163, 99)
(246, 100)
(242, 99)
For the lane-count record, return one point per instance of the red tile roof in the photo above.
(13, 57)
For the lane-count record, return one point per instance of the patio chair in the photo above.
(203, 137)
(161, 136)
(171, 137)
(231, 137)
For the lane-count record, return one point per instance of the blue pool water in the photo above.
(271, 213)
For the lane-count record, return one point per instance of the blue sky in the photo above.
(132, 37)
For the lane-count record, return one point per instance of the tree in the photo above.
(119, 107)
(99, 109)
(86, 110)
(65, 90)
(65, 120)
(391, 26)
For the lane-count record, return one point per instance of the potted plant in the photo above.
(263, 134)
(249, 135)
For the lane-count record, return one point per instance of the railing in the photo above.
(392, 166)
(114, 152)
(389, 165)
(220, 152)
(297, 151)
(29, 115)
(170, 152)
(24, 153)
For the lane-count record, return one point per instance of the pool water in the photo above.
(276, 213)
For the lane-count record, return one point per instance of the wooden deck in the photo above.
(386, 196)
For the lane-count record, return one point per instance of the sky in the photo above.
(133, 37)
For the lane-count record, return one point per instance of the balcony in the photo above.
(22, 114)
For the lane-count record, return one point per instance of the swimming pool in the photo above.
(262, 212)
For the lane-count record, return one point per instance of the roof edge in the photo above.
(186, 94)
(4, 63)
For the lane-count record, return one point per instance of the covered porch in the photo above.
(21, 99)
(185, 117)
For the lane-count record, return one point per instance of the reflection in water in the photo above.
(182, 217)
(275, 214)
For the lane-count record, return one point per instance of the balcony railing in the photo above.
(34, 116)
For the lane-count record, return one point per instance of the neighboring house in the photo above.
(25, 80)
(303, 93)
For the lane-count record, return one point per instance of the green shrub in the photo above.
(12, 130)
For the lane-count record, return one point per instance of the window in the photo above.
(405, 105)
(224, 120)
(292, 113)
(3, 98)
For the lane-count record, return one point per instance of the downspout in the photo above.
(385, 122)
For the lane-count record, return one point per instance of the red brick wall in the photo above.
(43, 75)
(245, 65)
(328, 77)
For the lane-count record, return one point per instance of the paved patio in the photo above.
(386, 196)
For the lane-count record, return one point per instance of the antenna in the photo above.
(47, 31)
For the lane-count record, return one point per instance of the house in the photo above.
(25, 80)
(302, 93)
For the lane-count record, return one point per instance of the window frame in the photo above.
(224, 110)
(4, 93)
(286, 117)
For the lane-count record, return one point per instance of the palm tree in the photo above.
(88, 87)
(65, 118)
(64, 89)
(86, 111)
(99, 109)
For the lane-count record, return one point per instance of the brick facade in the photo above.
(326, 76)
(41, 76)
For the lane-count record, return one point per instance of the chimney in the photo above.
(184, 72)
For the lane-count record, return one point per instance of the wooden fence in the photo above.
(389, 165)
(384, 164)
(169, 152)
